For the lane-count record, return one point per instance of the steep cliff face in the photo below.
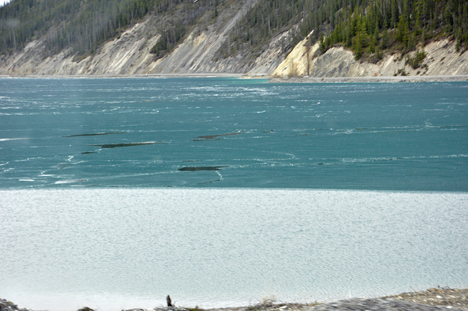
(129, 54)
(441, 59)
(197, 52)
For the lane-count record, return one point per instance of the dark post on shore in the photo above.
(169, 302)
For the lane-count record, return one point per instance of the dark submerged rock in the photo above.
(200, 168)
(95, 134)
(108, 146)
(212, 137)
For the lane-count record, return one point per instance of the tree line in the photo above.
(84, 25)
(378, 25)
(367, 27)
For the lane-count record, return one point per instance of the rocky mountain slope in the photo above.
(441, 58)
(130, 53)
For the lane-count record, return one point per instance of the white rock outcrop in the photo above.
(441, 59)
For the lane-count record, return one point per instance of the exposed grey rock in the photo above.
(129, 55)
(6, 305)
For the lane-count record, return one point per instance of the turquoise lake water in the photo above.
(242, 133)
(115, 193)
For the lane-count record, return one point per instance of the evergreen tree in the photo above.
(365, 26)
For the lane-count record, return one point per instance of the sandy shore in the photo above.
(384, 79)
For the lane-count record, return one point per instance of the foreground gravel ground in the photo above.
(434, 299)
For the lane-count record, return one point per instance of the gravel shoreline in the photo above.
(272, 79)
(384, 79)
(434, 299)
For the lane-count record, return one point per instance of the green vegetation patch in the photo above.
(416, 61)
(371, 27)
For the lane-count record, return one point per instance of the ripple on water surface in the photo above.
(122, 248)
